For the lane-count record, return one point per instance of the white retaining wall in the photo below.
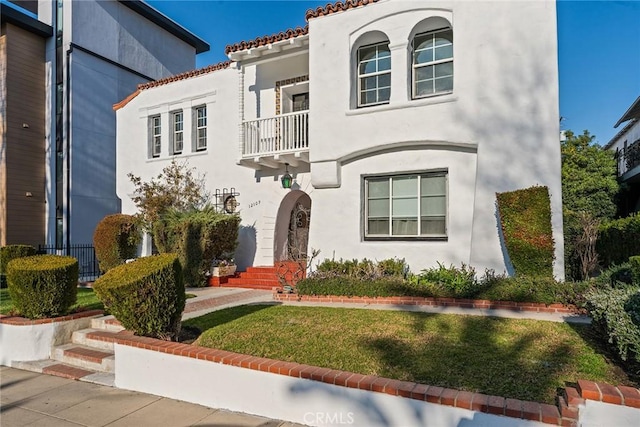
(283, 397)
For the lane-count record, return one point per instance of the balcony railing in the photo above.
(285, 133)
(629, 158)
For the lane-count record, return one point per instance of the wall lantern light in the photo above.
(286, 179)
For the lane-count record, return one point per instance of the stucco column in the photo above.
(399, 75)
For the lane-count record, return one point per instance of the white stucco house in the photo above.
(398, 121)
(626, 145)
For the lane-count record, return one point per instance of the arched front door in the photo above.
(292, 227)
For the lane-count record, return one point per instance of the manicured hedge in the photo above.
(10, 252)
(525, 218)
(43, 285)
(450, 282)
(115, 240)
(365, 269)
(352, 286)
(147, 295)
(618, 240)
(616, 314)
(198, 237)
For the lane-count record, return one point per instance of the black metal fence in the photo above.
(88, 269)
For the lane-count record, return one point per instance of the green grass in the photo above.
(523, 359)
(87, 300)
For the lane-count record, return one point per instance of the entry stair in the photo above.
(265, 278)
(89, 357)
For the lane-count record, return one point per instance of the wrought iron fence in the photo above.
(88, 269)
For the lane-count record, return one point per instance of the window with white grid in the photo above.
(374, 74)
(201, 128)
(412, 205)
(177, 133)
(432, 69)
(155, 140)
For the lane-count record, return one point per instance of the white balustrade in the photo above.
(279, 134)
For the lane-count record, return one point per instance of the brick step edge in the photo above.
(447, 302)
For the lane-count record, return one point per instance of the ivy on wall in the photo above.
(525, 218)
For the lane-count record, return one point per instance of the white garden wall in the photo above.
(282, 397)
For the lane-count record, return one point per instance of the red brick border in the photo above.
(565, 413)
(435, 302)
(21, 321)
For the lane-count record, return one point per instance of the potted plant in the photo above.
(222, 268)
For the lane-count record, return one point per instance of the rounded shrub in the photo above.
(115, 240)
(10, 252)
(147, 295)
(43, 285)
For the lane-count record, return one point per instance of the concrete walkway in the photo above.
(30, 399)
(510, 314)
(211, 299)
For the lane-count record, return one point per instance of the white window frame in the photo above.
(360, 77)
(155, 126)
(177, 132)
(200, 140)
(415, 66)
(418, 196)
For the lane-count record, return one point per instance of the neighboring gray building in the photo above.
(98, 53)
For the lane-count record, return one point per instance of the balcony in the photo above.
(273, 141)
(629, 161)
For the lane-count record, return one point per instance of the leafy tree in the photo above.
(177, 187)
(589, 189)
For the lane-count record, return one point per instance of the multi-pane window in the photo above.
(177, 135)
(201, 128)
(433, 63)
(156, 139)
(406, 205)
(374, 74)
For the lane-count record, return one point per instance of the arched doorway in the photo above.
(292, 227)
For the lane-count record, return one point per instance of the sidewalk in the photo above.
(30, 399)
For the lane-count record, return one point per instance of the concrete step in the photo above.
(252, 286)
(81, 337)
(268, 270)
(84, 357)
(107, 323)
(54, 367)
(248, 275)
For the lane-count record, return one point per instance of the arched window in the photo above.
(373, 70)
(432, 63)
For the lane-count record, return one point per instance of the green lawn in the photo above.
(87, 300)
(523, 359)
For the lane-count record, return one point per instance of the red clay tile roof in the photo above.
(296, 32)
(336, 7)
(185, 75)
(265, 40)
(170, 79)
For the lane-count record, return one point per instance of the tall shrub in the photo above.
(525, 217)
(10, 252)
(147, 296)
(43, 285)
(178, 187)
(619, 239)
(589, 186)
(198, 237)
(115, 240)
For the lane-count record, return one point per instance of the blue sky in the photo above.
(598, 48)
